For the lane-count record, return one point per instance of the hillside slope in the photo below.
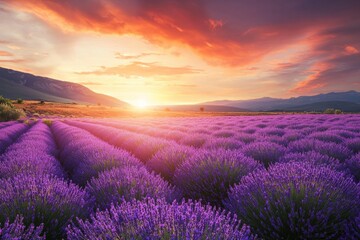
(269, 104)
(15, 84)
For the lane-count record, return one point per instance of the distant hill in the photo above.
(321, 106)
(15, 84)
(346, 101)
(196, 108)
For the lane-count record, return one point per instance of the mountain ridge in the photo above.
(271, 104)
(17, 84)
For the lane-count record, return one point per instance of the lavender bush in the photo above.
(296, 201)
(265, 152)
(42, 200)
(353, 166)
(167, 160)
(85, 156)
(18, 231)
(33, 153)
(156, 219)
(127, 183)
(208, 175)
(9, 134)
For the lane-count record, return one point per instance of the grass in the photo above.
(34, 109)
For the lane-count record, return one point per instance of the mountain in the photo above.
(15, 84)
(346, 101)
(322, 106)
(196, 108)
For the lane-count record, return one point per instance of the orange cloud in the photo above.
(240, 40)
(351, 50)
(338, 73)
(143, 70)
(128, 57)
(5, 54)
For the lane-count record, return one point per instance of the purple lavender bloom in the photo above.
(42, 200)
(167, 160)
(208, 175)
(127, 183)
(84, 156)
(353, 165)
(264, 152)
(223, 134)
(245, 138)
(9, 134)
(334, 150)
(142, 146)
(314, 158)
(353, 144)
(272, 132)
(157, 219)
(194, 140)
(327, 136)
(31, 154)
(224, 143)
(18, 231)
(296, 201)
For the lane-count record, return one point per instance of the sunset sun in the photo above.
(141, 103)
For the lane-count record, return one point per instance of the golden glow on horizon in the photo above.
(141, 103)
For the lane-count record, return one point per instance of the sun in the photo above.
(141, 103)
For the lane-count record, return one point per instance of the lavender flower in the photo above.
(334, 150)
(224, 143)
(85, 156)
(42, 199)
(296, 201)
(156, 219)
(17, 230)
(127, 183)
(167, 160)
(194, 140)
(208, 175)
(353, 144)
(9, 134)
(31, 154)
(353, 165)
(265, 152)
(314, 158)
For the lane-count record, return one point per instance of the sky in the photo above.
(152, 52)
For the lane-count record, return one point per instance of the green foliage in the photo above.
(42, 102)
(338, 111)
(329, 111)
(5, 101)
(8, 113)
(47, 122)
(19, 101)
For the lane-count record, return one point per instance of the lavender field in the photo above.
(247, 177)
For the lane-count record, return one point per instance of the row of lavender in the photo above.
(327, 149)
(38, 199)
(334, 141)
(302, 192)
